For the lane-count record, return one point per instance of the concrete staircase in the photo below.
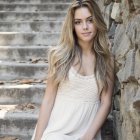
(27, 29)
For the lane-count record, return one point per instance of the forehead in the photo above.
(82, 13)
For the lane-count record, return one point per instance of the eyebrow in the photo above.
(86, 18)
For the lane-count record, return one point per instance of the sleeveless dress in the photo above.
(76, 104)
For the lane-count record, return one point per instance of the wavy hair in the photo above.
(62, 56)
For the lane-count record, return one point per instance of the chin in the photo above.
(87, 39)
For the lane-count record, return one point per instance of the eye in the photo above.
(77, 22)
(90, 20)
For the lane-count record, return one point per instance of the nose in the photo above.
(85, 26)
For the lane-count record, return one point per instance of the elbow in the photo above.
(107, 104)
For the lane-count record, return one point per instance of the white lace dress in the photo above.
(75, 107)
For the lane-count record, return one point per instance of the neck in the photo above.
(86, 47)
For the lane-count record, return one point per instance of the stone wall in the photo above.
(123, 22)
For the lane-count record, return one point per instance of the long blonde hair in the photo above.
(62, 56)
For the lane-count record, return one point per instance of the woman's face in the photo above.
(84, 26)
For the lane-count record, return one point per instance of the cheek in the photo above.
(95, 31)
(77, 30)
(93, 28)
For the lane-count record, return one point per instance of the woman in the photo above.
(80, 78)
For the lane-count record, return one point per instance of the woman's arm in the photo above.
(46, 108)
(106, 100)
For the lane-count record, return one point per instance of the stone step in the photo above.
(18, 120)
(31, 26)
(16, 93)
(37, 38)
(34, 7)
(32, 16)
(24, 53)
(16, 71)
(34, 1)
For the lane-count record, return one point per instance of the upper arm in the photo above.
(106, 94)
(51, 91)
(51, 86)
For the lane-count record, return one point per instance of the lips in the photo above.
(86, 34)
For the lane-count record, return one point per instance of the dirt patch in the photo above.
(9, 138)
(25, 106)
(28, 107)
